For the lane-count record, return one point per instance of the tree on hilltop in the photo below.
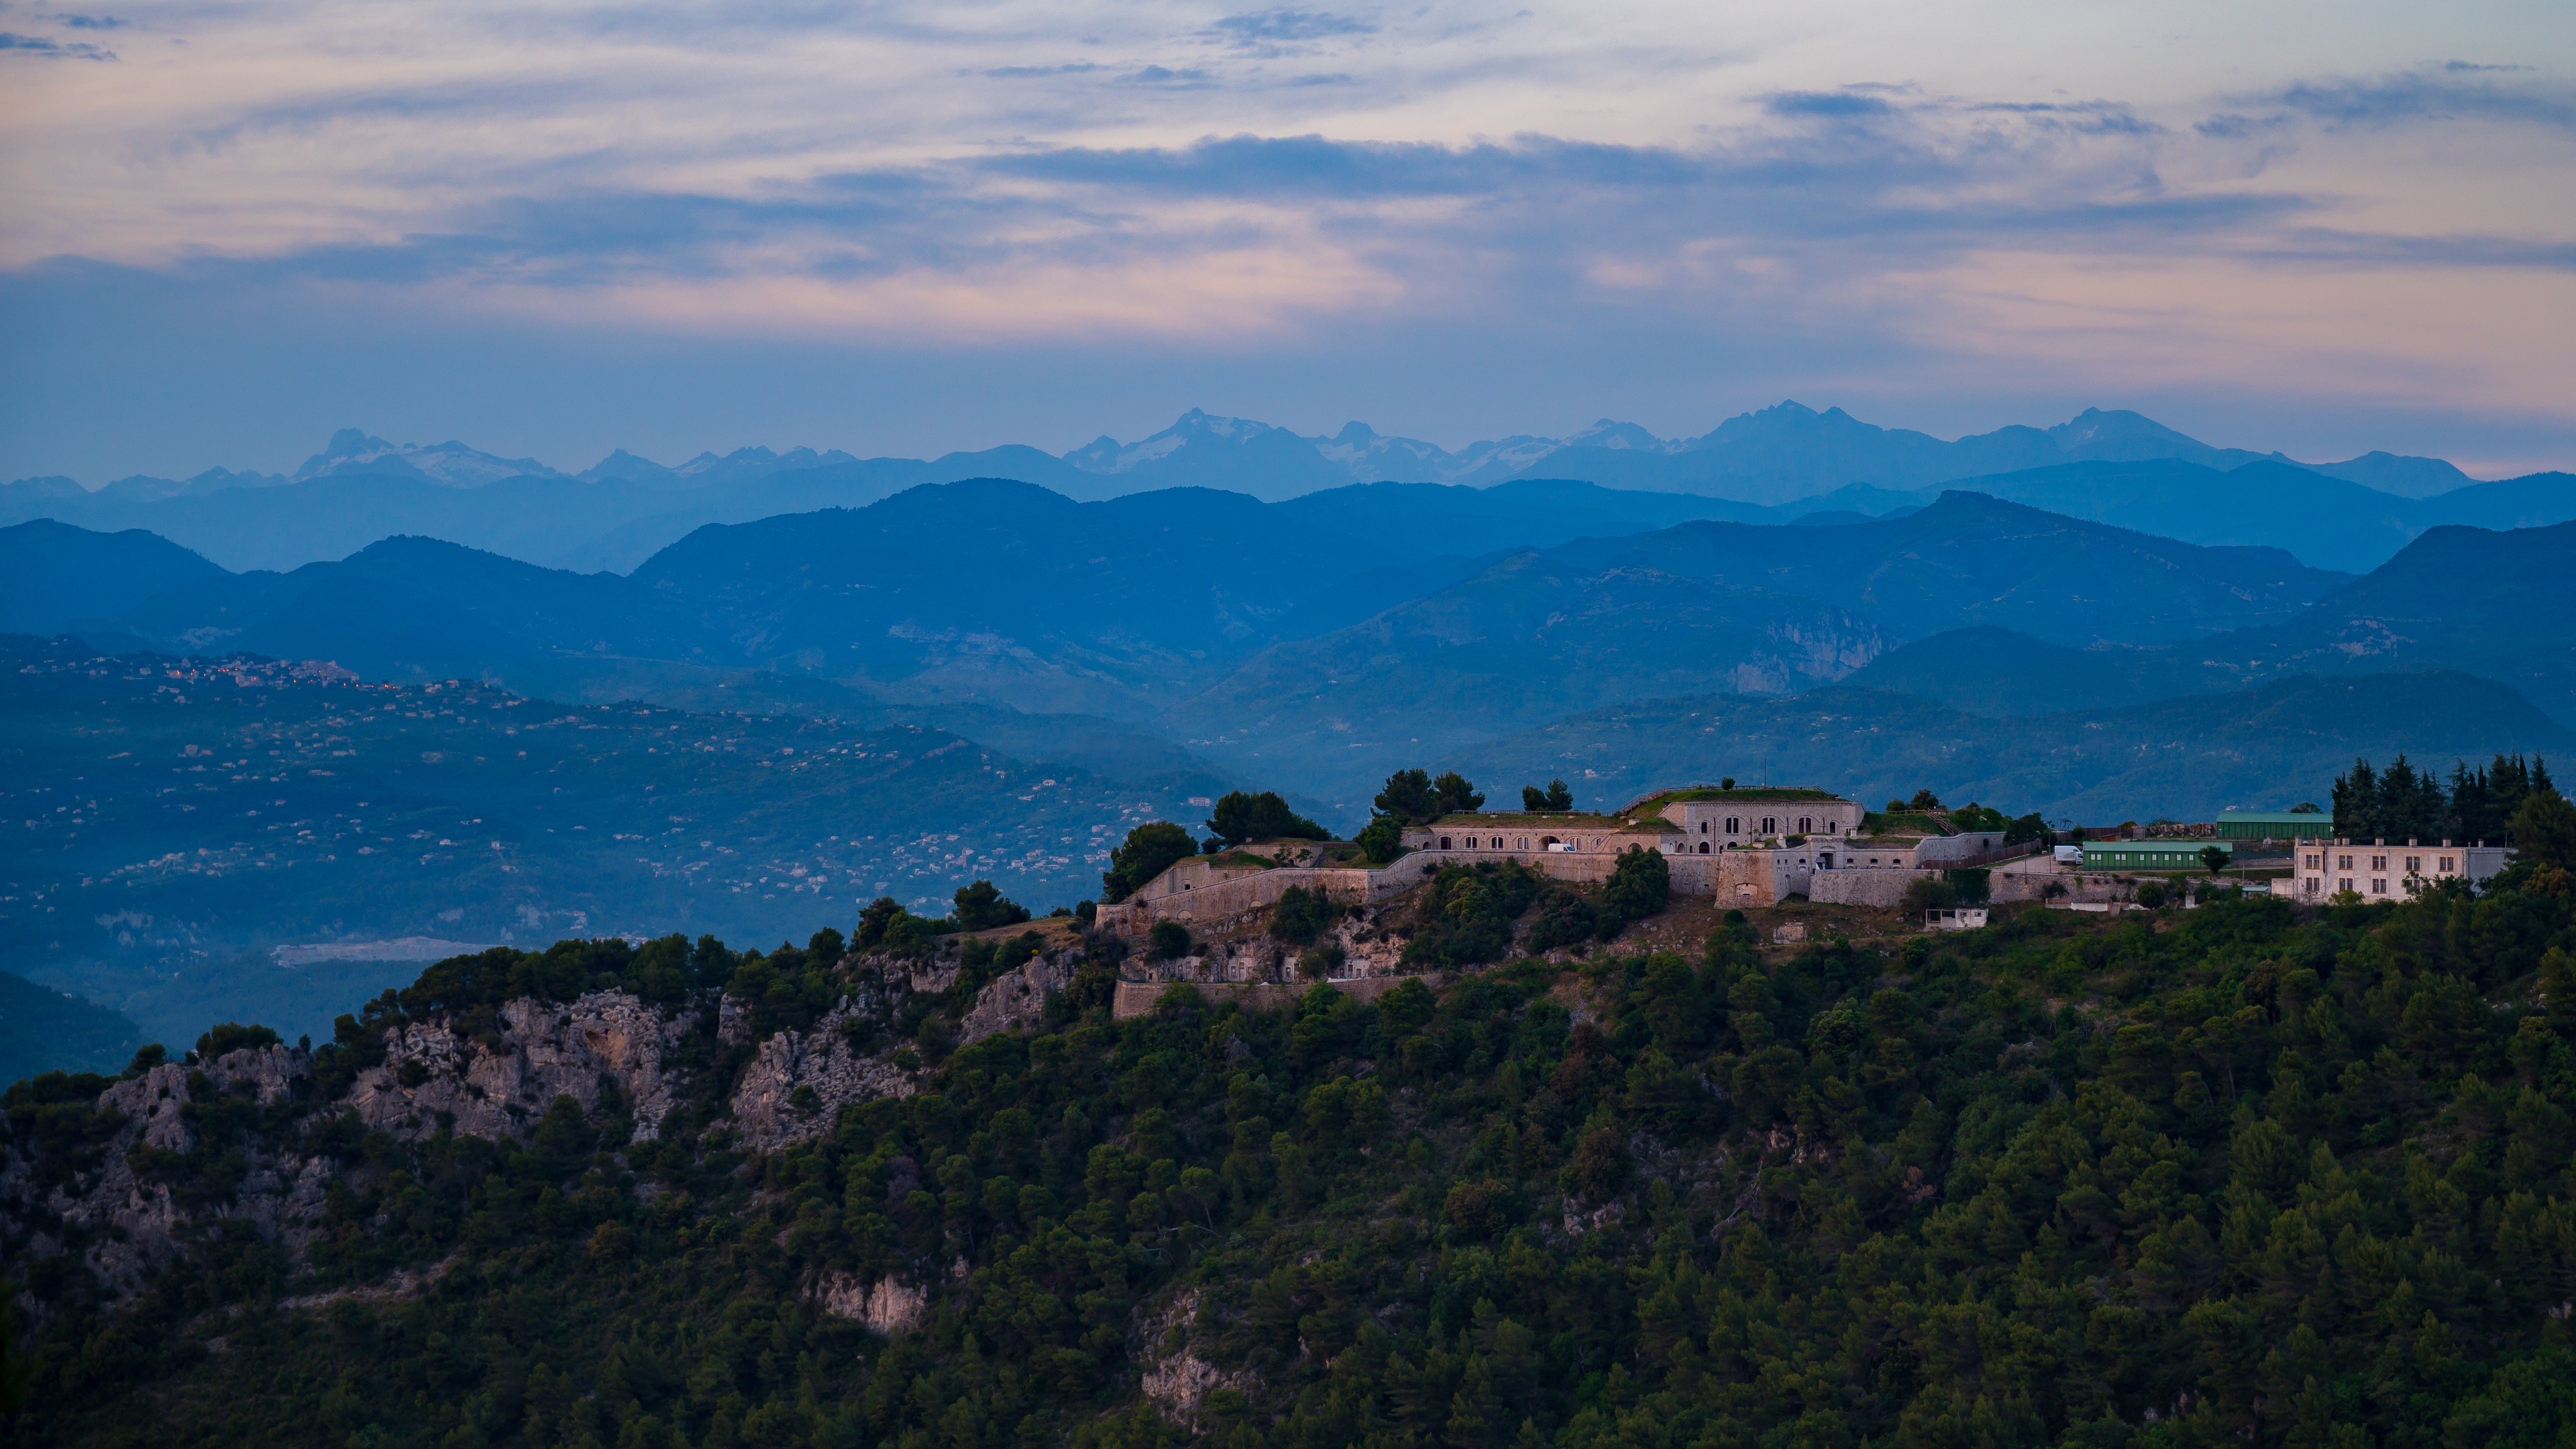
(982, 906)
(1457, 795)
(1408, 796)
(1242, 816)
(1149, 851)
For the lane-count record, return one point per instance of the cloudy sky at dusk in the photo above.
(552, 229)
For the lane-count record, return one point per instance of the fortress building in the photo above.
(1749, 847)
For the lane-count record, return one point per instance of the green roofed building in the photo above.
(2149, 854)
(2274, 825)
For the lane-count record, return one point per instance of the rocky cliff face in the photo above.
(121, 1219)
(618, 1058)
(499, 1086)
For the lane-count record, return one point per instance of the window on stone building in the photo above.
(1444, 842)
(2379, 862)
(2343, 862)
(1703, 847)
(2447, 867)
(2414, 865)
(1731, 827)
(2379, 886)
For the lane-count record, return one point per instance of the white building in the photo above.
(2379, 871)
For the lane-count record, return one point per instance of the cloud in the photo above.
(2428, 95)
(1164, 76)
(1018, 72)
(1281, 30)
(91, 22)
(787, 170)
(46, 49)
(1835, 104)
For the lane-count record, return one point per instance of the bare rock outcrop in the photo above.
(887, 1306)
(768, 1111)
(130, 1220)
(500, 1086)
(1177, 1381)
(1016, 999)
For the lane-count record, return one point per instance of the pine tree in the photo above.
(2356, 802)
(2473, 805)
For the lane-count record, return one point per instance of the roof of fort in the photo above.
(1752, 796)
(1528, 819)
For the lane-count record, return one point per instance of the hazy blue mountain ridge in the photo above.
(2499, 604)
(1970, 558)
(2326, 521)
(53, 574)
(2265, 748)
(622, 509)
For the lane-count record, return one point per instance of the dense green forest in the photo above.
(2238, 1174)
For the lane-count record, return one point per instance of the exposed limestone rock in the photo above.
(152, 1102)
(1016, 999)
(270, 1071)
(887, 1306)
(501, 1089)
(130, 1219)
(765, 1110)
(1176, 1380)
(609, 1052)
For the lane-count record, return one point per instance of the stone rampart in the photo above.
(1881, 888)
(1217, 899)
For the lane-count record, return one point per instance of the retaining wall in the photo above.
(1882, 888)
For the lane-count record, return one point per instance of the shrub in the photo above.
(2151, 895)
(1563, 919)
(1171, 940)
(1300, 914)
(233, 1037)
(1476, 1209)
(1600, 1163)
(1467, 914)
(1929, 893)
(1640, 885)
(1321, 962)
(1382, 840)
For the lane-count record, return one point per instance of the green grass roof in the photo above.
(1518, 819)
(1752, 796)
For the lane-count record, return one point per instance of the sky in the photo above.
(555, 229)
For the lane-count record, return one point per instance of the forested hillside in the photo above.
(2232, 1175)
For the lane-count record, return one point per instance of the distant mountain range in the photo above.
(1314, 644)
(2497, 604)
(1776, 465)
(2265, 748)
